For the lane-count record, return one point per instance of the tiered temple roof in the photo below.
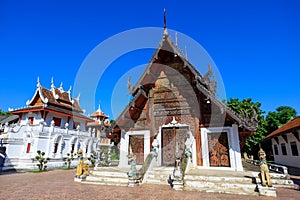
(99, 118)
(53, 100)
(202, 84)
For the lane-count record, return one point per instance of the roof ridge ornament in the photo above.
(78, 97)
(69, 91)
(61, 87)
(129, 85)
(165, 22)
(38, 82)
(52, 82)
(99, 108)
(210, 80)
(186, 54)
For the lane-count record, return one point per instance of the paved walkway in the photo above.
(59, 184)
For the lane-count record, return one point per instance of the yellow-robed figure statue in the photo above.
(82, 167)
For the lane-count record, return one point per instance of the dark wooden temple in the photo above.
(171, 87)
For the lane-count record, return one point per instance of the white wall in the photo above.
(44, 138)
(64, 119)
(288, 159)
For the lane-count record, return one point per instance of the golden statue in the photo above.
(82, 167)
(264, 170)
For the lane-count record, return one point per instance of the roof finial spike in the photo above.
(78, 97)
(99, 108)
(52, 82)
(61, 87)
(38, 82)
(186, 55)
(176, 38)
(165, 23)
(69, 91)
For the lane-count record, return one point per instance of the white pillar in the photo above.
(123, 149)
(204, 147)
(147, 147)
(236, 148)
(159, 158)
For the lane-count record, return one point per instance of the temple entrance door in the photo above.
(173, 138)
(218, 149)
(136, 143)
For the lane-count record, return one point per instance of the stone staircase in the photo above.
(220, 181)
(159, 175)
(278, 180)
(106, 176)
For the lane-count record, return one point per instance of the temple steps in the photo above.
(220, 182)
(107, 176)
(159, 175)
(278, 180)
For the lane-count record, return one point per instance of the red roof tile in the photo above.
(295, 123)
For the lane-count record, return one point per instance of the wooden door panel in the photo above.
(172, 137)
(218, 149)
(137, 146)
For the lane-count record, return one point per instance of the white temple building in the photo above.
(52, 122)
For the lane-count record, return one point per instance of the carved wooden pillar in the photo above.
(198, 143)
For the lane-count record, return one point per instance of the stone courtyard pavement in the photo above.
(59, 184)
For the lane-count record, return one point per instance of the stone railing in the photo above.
(143, 172)
(254, 162)
(278, 168)
(43, 128)
(12, 140)
(184, 163)
(135, 177)
(274, 167)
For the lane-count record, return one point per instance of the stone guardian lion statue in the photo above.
(264, 170)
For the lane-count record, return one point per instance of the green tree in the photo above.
(4, 113)
(42, 161)
(281, 116)
(69, 159)
(93, 158)
(247, 107)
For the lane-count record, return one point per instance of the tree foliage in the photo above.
(69, 159)
(4, 113)
(281, 116)
(246, 107)
(42, 161)
(266, 125)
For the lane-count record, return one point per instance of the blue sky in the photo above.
(254, 44)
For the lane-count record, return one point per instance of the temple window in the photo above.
(55, 148)
(28, 148)
(57, 121)
(31, 119)
(75, 124)
(72, 147)
(283, 149)
(294, 149)
(276, 149)
(86, 148)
